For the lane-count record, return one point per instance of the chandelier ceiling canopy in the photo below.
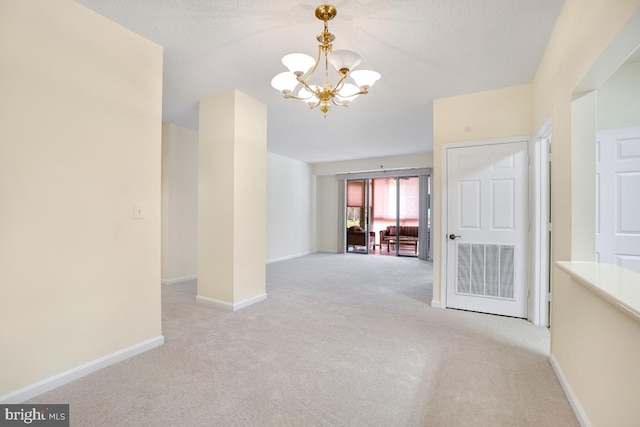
(302, 67)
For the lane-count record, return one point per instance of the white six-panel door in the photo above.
(618, 197)
(487, 196)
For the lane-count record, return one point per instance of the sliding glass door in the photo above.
(396, 207)
(383, 216)
(408, 215)
(357, 216)
(384, 213)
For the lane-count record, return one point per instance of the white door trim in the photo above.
(540, 226)
(444, 209)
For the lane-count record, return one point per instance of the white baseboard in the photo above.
(55, 381)
(284, 258)
(573, 400)
(435, 304)
(230, 306)
(178, 280)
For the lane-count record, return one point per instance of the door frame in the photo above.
(445, 211)
(540, 230)
(365, 211)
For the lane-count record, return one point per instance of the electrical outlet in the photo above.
(138, 211)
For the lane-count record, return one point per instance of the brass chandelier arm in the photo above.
(303, 79)
(363, 91)
(313, 105)
(340, 83)
(339, 103)
(306, 86)
(289, 95)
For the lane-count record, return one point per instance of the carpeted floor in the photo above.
(342, 340)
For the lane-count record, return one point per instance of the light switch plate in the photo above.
(138, 211)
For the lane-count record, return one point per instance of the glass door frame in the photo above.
(425, 209)
(365, 216)
(398, 215)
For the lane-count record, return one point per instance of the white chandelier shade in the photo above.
(284, 81)
(344, 60)
(295, 83)
(298, 62)
(365, 78)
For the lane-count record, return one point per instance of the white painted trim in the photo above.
(436, 304)
(249, 301)
(66, 377)
(288, 257)
(444, 225)
(573, 400)
(485, 142)
(545, 129)
(223, 305)
(179, 280)
(387, 173)
(539, 197)
(214, 303)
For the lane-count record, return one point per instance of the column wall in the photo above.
(232, 203)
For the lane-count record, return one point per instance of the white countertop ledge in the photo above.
(618, 286)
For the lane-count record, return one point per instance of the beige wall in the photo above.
(327, 190)
(179, 203)
(291, 214)
(599, 377)
(597, 347)
(327, 220)
(480, 116)
(232, 198)
(250, 203)
(79, 145)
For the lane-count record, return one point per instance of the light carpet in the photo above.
(342, 340)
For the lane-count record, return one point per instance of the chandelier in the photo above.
(301, 68)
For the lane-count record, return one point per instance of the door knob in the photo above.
(453, 236)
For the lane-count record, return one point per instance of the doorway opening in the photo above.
(617, 167)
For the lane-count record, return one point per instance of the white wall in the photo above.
(80, 137)
(619, 99)
(423, 160)
(291, 195)
(179, 203)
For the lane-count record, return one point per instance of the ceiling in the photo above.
(424, 49)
